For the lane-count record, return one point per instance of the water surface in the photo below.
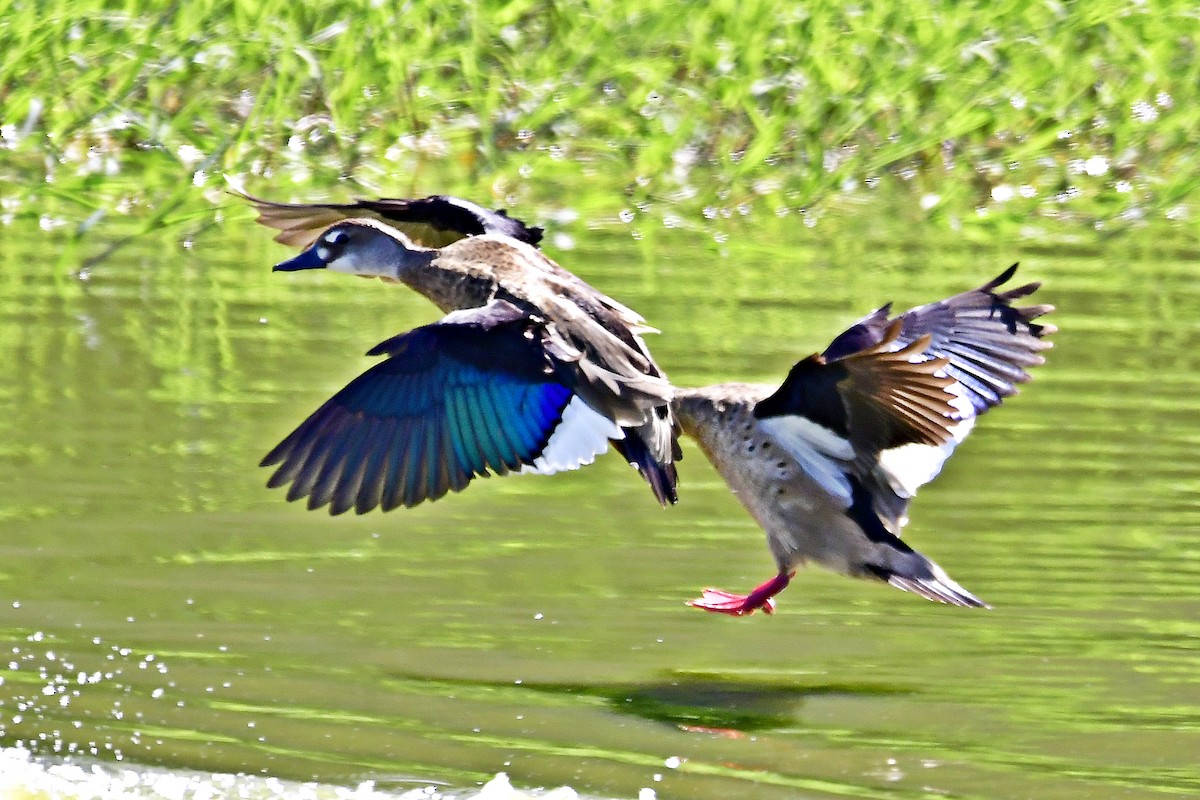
(161, 608)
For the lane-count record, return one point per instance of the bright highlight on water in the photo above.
(24, 777)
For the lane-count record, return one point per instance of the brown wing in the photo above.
(893, 399)
(299, 224)
(434, 221)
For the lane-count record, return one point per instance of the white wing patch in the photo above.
(822, 454)
(911, 466)
(582, 435)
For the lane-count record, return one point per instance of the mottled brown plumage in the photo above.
(828, 462)
(609, 366)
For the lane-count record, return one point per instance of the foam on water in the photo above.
(25, 777)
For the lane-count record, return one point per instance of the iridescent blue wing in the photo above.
(469, 395)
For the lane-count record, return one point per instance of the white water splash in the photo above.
(22, 775)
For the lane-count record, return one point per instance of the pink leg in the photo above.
(740, 604)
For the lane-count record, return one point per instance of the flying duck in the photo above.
(828, 462)
(530, 370)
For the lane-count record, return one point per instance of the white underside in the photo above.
(825, 457)
(822, 454)
(911, 466)
(582, 435)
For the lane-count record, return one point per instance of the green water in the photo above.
(160, 607)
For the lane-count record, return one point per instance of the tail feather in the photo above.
(938, 591)
(661, 476)
(930, 581)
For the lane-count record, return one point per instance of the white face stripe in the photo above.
(334, 238)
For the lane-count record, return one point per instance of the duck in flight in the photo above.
(531, 370)
(534, 371)
(828, 462)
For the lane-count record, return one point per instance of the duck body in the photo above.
(803, 519)
(773, 486)
(828, 462)
(588, 343)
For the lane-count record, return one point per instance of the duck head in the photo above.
(364, 247)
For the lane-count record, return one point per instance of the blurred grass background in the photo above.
(957, 113)
(832, 155)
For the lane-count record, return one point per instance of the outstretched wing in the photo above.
(433, 221)
(836, 417)
(472, 394)
(988, 344)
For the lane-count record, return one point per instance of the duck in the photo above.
(828, 462)
(530, 370)
(433, 221)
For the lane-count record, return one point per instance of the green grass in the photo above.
(958, 113)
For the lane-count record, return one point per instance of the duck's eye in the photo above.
(335, 237)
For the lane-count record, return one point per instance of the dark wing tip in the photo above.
(864, 333)
(438, 412)
(1044, 329)
(1001, 279)
(663, 478)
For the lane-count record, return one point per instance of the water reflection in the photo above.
(724, 705)
(536, 625)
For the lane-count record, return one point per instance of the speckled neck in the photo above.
(449, 285)
(705, 413)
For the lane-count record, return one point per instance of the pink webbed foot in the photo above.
(736, 605)
(739, 605)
